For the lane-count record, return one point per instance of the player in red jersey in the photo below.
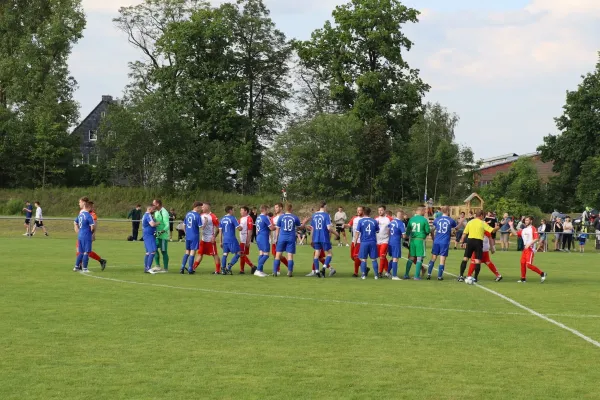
(208, 244)
(383, 239)
(278, 212)
(355, 248)
(246, 233)
(530, 237)
(485, 259)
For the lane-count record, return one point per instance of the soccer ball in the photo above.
(469, 280)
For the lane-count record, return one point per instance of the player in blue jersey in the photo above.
(193, 223)
(84, 227)
(322, 228)
(263, 233)
(229, 225)
(28, 209)
(285, 237)
(397, 233)
(149, 225)
(442, 227)
(367, 231)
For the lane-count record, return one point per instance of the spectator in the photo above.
(340, 219)
(492, 221)
(558, 230)
(135, 215)
(301, 232)
(567, 235)
(582, 239)
(39, 219)
(172, 217)
(555, 215)
(28, 209)
(597, 229)
(520, 226)
(461, 222)
(430, 207)
(438, 213)
(181, 231)
(543, 236)
(505, 231)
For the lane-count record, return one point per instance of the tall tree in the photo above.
(36, 102)
(579, 140)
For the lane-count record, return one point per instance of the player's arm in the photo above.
(76, 227)
(465, 233)
(512, 227)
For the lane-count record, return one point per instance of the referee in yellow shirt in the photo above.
(475, 230)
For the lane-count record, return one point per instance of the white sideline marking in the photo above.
(537, 314)
(350, 302)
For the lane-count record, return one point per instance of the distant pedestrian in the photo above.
(135, 215)
(253, 215)
(28, 209)
(172, 217)
(39, 219)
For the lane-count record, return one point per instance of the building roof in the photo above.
(105, 99)
(505, 159)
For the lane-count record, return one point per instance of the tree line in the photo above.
(220, 99)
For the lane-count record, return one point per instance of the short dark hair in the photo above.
(228, 209)
(480, 213)
(289, 207)
(245, 208)
(367, 210)
(138, 205)
(36, 202)
(207, 203)
(322, 204)
(158, 201)
(264, 207)
(382, 206)
(197, 204)
(279, 204)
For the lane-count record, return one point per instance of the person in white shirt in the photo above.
(340, 219)
(39, 220)
(383, 239)
(530, 237)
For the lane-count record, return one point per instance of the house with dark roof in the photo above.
(491, 167)
(87, 131)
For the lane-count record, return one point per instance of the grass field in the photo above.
(120, 334)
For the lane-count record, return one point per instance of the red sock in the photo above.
(218, 267)
(471, 269)
(94, 256)
(284, 261)
(247, 261)
(322, 260)
(356, 266)
(534, 268)
(242, 263)
(523, 271)
(196, 263)
(493, 268)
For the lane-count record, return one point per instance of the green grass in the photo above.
(67, 336)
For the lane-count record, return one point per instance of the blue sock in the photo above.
(191, 263)
(327, 261)
(394, 268)
(224, 261)
(86, 260)
(440, 271)
(261, 262)
(276, 263)
(375, 266)
(291, 265)
(363, 267)
(145, 262)
(315, 264)
(430, 269)
(185, 260)
(234, 259)
(78, 260)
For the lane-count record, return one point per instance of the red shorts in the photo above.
(207, 249)
(485, 258)
(527, 256)
(354, 249)
(382, 249)
(245, 251)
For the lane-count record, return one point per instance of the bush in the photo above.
(12, 207)
(515, 208)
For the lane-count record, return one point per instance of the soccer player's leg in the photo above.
(150, 245)
(382, 249)
(463, 264)
(224, 258)
(412, 258)
(263, 256)
(199, 255)
(396, 253)
(528, 254)
(354, 254)
(186, 256)
(85, 247)
(213, 252)
(435, 252)
(363, 253)
(374, 255)
(290, 249)
(315, 264)
(78, 258)
(237, 251)
(327, 262)
(420, 254)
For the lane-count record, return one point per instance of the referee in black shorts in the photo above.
(475, 230)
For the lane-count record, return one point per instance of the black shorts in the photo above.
(339, 228)
(39, 224)
(171, 226)
(494, 235)
(27, 221)
(474, 246)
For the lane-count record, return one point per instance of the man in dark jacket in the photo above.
(135, 216)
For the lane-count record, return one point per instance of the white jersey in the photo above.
(528, 234)
(354, 224)
(383, 236)
(247, 225)
(209, 225)
(38, 214)
(486, 244)
(274, 232)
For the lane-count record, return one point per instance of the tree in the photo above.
(588, 187)
(318, 157)
(36, 91)
(579, 138)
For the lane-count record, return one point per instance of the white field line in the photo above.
(312, 299)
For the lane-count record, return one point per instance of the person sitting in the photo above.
(181, 231)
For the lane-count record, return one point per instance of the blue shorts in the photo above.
(440, 249)
(192, 244)
(395, 251)
(231, 247)
(84, 245)
(263, 245)
(150, 244)
(325, 246)
(288, 246)
(582, 242)
(459, 235)
(369, 250)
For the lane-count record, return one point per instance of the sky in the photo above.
(503, 66)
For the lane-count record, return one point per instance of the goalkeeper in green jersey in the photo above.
(417, 230)
(161, 216)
